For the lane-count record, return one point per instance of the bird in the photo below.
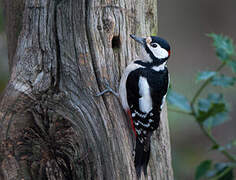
(142, 91)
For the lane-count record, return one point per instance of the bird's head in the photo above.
(155, 47)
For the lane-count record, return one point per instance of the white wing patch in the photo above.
(145, 102)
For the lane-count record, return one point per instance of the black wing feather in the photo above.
(145, 123)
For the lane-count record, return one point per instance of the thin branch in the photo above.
(215, 143)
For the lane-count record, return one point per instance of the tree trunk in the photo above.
(51, 124)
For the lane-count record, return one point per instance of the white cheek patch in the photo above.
(158, 52)
(145, 102)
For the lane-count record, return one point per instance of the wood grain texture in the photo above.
(52, 125)
(13, 26)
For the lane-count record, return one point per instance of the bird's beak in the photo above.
(138, 39)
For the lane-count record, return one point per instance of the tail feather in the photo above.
(142, 155)
(138, 159)
(146, 160)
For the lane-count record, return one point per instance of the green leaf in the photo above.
(205, 75)
(223, 81)
(224, 46)
(215, 120)
(215, 97)
(232, 65)
(202, 169)
(212, 110)
(204, 105)
(178, 100)
(220, 168)
(228, 176)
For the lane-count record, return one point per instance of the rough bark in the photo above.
(51, 124)
(13, 25)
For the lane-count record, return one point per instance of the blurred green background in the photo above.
(184, 23)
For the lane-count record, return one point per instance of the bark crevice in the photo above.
(56, 80)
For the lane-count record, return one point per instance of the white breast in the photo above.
(145, 102)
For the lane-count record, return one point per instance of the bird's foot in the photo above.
(107, 90)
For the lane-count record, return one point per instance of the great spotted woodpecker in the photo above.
(142, 91)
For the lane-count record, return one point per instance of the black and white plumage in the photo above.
(142, 91)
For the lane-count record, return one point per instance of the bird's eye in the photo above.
(154, 45)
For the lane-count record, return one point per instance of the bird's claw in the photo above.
(108, 89)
